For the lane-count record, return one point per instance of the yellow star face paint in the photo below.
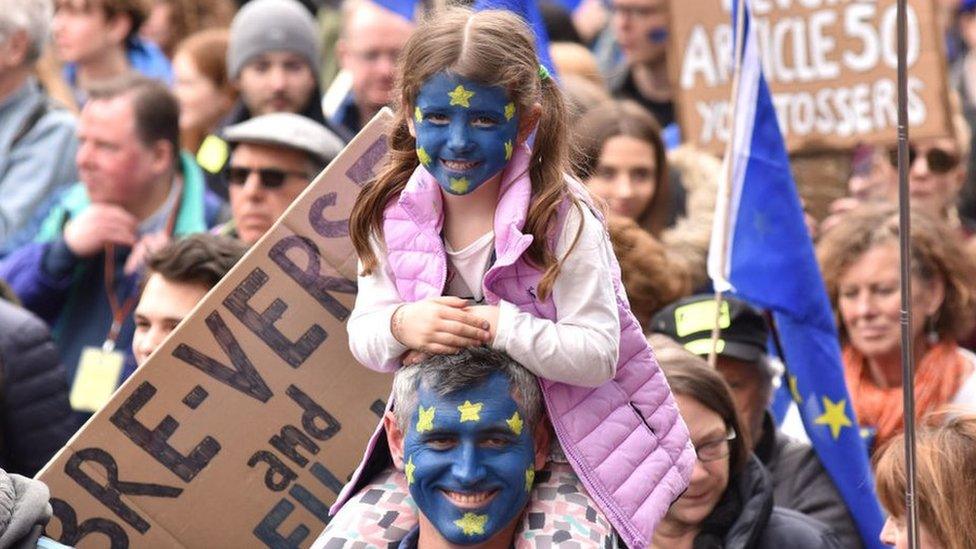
(423, 156)
(529, 479)
(515, 423)
(508, 150)
(509, 111)
(425, 419)
(459, 185)
(408, 470)
(470, 412)
(417, 115)
(461, 96)
(472, 524)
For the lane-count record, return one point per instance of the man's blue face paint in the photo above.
(469, 460)
(465, 131)
(658, 35)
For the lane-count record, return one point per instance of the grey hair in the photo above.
(31, 16)
(448, 374)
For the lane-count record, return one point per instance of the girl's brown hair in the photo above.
(616, 118)
(207, 49)
(936, 254)
(945, 480)
(493, 48)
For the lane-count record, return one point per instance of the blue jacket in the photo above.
(37, 155)
(68, 292)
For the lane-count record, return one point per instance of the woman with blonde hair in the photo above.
(860, 263)
(945, 484)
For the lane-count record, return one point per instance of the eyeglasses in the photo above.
(939, 160)
(270, 178)
(714, 450)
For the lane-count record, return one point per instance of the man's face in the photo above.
(82, 32)
(257, 200)
(750, 391)
(369, 52)
(641, 28)
(465, 132)
(113, 163)
(278, 81)
(164, 303)
(469, 460)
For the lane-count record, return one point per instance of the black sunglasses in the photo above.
(939, 160)
(270, 178)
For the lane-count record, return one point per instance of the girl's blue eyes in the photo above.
(478, 122)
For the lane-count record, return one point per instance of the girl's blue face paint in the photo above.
(658, 35)
(465, 131)
(469, 460)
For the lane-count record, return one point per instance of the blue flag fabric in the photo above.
(770, 262)
(529, 11)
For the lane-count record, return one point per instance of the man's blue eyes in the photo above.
(447, 442)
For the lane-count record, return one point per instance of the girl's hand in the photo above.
(488, 313)
(438, 326)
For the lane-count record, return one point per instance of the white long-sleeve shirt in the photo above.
(580, 348)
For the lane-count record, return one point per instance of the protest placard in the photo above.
(244, 425)
(830, 64)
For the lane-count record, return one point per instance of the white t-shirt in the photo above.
(467, 267)
(581, 347)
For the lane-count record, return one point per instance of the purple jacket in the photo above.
(625, 438)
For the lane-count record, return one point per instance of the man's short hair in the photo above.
(157, 113)
(136, 10)
(448, 374)
(202, 259)
(31, 16)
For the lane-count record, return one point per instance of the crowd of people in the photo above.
(532, 267)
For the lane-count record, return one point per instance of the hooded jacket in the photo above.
(745, 518)
(625, 438)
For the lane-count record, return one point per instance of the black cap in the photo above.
(742, 335)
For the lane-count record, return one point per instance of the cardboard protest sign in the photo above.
(830, 65)
(244, 425)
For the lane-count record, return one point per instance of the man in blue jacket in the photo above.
(137, 191)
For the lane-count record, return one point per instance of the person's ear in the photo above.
(936, 295)
(342, 53)
(118, 27)
(394, 438)
(541, 437)
(13, 50)
(528, 122)
(162, 156)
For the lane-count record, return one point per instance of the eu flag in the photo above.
(405, 8)
(529, 11)
(769, 261)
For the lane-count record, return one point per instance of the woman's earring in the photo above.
(931, 334)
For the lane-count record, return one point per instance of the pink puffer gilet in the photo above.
(625, 438)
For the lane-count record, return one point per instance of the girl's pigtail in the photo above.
(366, 218)
(550, 159)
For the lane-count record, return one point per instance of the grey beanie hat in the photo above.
(272, 25)
(285, 129)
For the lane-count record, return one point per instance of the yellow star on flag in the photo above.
(508, 149)
(408, 470)
(509, 111)
(529, 479)
(470, 412)
(423, 156)
(515, 423)
(417, 115)
(459, 185)
(794, 390)
(425, 419)
(834, 416)
(461, 96)
(472, 524)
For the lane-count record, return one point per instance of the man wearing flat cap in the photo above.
(273, 158)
